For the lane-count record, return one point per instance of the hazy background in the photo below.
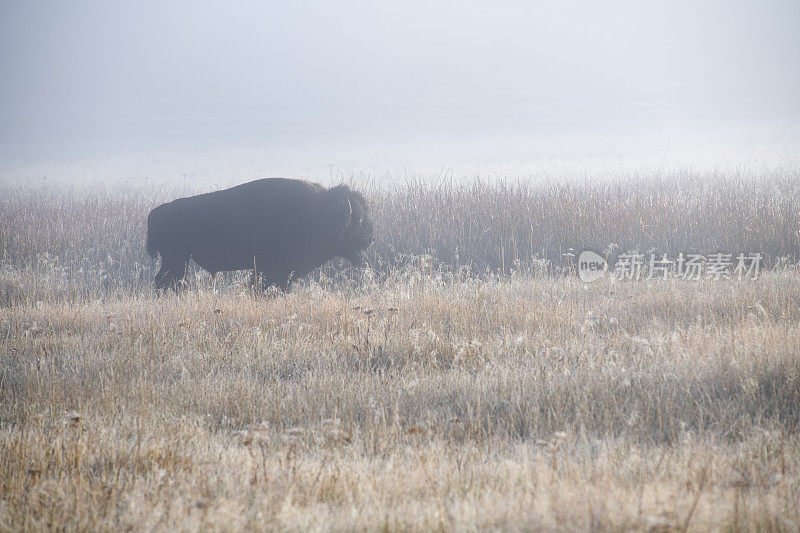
(223, 92)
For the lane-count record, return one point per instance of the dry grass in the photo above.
(87, 243)
(419, 398)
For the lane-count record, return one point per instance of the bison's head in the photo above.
(354, 226)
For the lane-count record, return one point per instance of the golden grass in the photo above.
(519, 403)
(419, 397)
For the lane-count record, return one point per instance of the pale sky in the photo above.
(95, 68)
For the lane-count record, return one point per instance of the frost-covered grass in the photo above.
(412, 403)
(88, 242)
(423, 394)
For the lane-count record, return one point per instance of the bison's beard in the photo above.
(356, 258)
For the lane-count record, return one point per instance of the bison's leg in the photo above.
(180, 272)
(173, 268)
(162, 278)
(168, 280)
(268, 280)
(264, 279)
(213, 282)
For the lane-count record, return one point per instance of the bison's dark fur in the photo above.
(281, 228)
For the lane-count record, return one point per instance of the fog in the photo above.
(328, 90)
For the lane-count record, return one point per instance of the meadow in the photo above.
(466, 379)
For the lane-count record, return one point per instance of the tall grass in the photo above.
(96, 238)
(492, 226)
(456, 384)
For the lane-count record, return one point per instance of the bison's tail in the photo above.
(152, 251)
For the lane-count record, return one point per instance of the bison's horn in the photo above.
(347, 218)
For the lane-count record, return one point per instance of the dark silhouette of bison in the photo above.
(280, 228)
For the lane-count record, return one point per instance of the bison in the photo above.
(280, 228)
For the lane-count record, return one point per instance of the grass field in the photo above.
(466, 380)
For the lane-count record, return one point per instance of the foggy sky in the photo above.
(147, 68)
